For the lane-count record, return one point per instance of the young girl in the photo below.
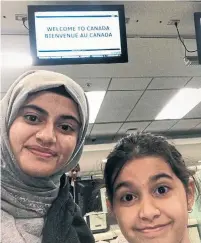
(150, 190)
(44, 119)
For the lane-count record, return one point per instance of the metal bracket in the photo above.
(173, 21)
(20, 17)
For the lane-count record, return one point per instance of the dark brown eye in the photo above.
(66, 128)
(128, 198)
(31, 118)
(162, 190)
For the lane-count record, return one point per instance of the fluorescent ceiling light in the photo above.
(15, 60)
(95, 99)
(184, 101)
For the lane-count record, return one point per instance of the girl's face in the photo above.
(150, 202)
(44, 134)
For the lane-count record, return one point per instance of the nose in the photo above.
(46, 135)
(149, 210)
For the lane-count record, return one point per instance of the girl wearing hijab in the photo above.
(150, 190)
(43, 127)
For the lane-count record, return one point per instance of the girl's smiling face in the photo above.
(44, 135)
(150, 202)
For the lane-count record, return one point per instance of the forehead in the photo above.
(141, 169)
(50, 100)
(46, 93)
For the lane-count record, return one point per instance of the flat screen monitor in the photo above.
(197, 18)
(78, 34)
(90, 196)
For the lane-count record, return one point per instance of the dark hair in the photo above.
(59, 90)
(141, 145)
(76, 168)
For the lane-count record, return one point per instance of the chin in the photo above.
(39, 171)
(38, 167)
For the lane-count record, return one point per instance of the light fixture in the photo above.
(184, 101)
(95, 99)
(15, 60)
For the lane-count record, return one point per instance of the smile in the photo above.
(154, 231)
(44, 153)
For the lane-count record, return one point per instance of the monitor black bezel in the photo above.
(64, 61)
(197, 18)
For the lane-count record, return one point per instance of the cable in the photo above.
(23, 21)
(186, 50)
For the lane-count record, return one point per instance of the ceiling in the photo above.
(137, 90)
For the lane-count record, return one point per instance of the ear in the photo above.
(191, 194)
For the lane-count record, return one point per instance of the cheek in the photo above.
(177, 209)
(177, 205)
(126, 217)
(68, 146)
(19, 134)
(15, 136)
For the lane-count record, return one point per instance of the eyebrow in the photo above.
(154, 178)
(122, 184)
(41, 110)
(159, 176)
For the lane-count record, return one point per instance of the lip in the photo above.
(42, 152)
(153, 230)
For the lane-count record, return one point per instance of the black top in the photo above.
(64, 223)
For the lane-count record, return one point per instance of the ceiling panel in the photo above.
(198, 126)
(93, 84)
(129, 83)
(140, 126)
(117, 105)
(160, 125)
(168, 83)
(150, 104)
(185, 124)
(195, 82)
(105, 129)
(195, 112)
